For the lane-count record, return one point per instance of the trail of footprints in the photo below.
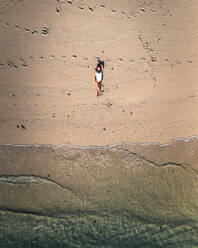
(9, 4)
(147, 46)
(43, 31)
(16, 62)
(83, 6)
(132, 13)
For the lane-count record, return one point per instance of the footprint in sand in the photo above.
(23, 62)
(23, 126)
(102, 5)
(154, 79)
(45, 30)
(57, 10)
(34, 32)
(108, 105)
(142, 10)
(81, 7)
(133, 13)
(147, 45)
(11, 64)
(91, 8)
(27, 29)
(113, 10)
(153, 59)
(140, 37)
(16, 26)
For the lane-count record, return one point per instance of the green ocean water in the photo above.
(88, 230)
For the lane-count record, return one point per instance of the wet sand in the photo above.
(110, 196)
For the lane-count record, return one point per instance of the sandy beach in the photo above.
(115, 171)
(48, 54)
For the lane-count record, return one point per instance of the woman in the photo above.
(98, 78)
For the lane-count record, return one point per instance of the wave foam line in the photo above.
(102, 147)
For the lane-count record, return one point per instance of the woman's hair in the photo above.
(98, 66)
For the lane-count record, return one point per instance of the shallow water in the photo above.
(92, 230)
(120, 196)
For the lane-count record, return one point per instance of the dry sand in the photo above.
(48, 50)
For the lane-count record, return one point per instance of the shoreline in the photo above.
(103, 146)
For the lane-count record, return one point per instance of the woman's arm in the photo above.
(95, 75)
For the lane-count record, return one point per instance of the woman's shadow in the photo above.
(100, 63)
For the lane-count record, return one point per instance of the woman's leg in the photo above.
(100, 88)
(97, 89)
